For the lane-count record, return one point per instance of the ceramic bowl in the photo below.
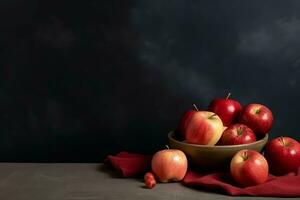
(212, 157)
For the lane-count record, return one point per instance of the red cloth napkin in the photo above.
(281, 186)
(131, 165)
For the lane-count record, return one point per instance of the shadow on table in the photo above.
(106, 168)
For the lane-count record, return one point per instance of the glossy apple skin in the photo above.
(227, 109)
(283, 155)
(169, 165)
(204, 128)
(257, 117)
(249, 168)
(237, 134)
(183, 122)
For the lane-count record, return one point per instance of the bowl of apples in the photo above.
(212, 157)
(211, 138)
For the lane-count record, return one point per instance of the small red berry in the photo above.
(148, 175)
(149, 179)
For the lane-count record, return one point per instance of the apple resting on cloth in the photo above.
(169, 165)
(248, 168)
(204, 128)
(237, 134)
(283, 155)
(227, 109)
(257, 117)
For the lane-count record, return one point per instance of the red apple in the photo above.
(169, 165)
(204, 128)
(248, 168)
(283, 155)
(237, 134)
(183, 122)
(257, 117)
(227, 109)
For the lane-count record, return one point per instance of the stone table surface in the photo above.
(74, 181)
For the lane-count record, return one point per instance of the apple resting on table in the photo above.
(169, 165)
(283, 155)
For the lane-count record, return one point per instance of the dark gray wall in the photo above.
(82, 80)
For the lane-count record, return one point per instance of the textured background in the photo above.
(82, 80)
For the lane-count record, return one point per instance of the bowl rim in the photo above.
(171, 134)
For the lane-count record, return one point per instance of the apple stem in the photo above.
(228, 95)
(282, 141)
(240, 131)
(167, 146)
(244, 155)
(195, 107)
(210, 117)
